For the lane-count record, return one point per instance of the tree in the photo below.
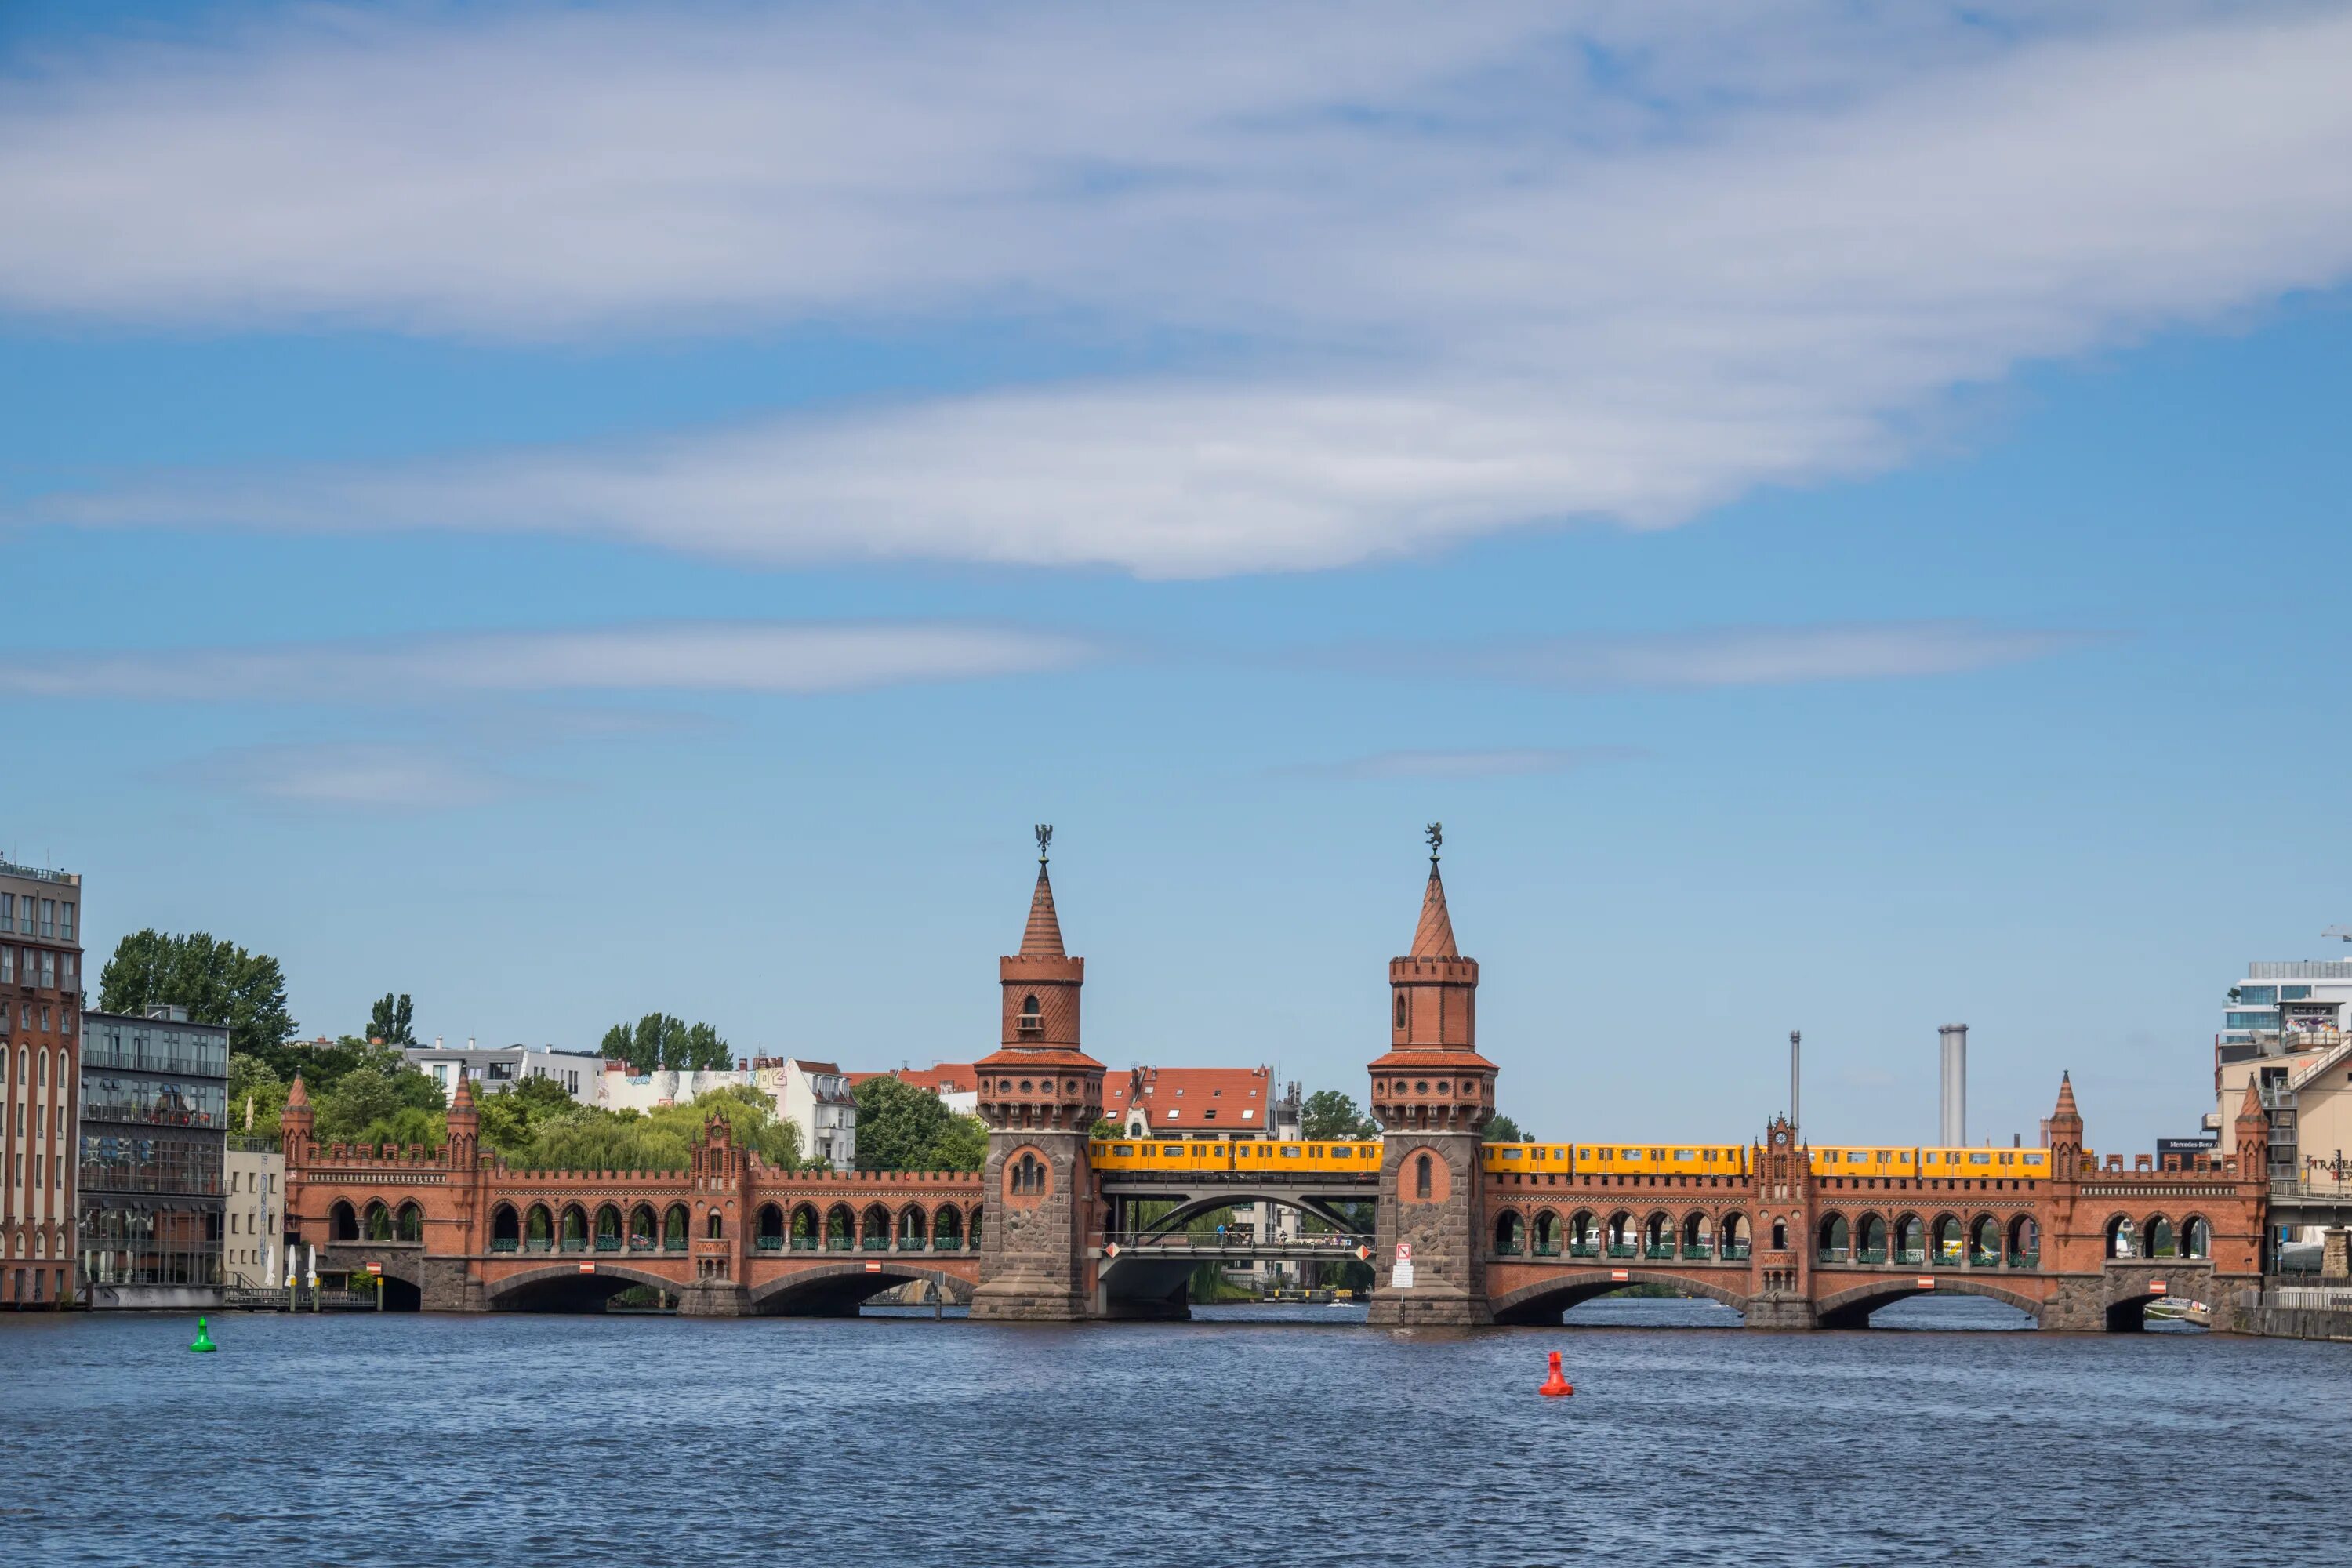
(661, 1042)
(897, 1124)
(391, 1019)
(217, 982)
(963, 1147)
(1104, 1127)
(360, 1100)
(1329, 1114)
(251, 1082)
(1502, 1129)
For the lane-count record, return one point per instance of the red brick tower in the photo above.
(1040, 1095)
(1779, 1287)
(1432, 1094)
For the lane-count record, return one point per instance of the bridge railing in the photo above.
(1336, 1242)
(2310, 1298)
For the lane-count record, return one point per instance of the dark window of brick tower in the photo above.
(1399, 1012)
(1421, 1177)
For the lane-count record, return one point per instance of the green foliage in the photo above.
(250, 1078)
(368, 1101)
(1502, 1129)
(1104, 1127)
(660, 1041)
(1330, 1114)
(537, 1127)
(217, 982)
(391, 1020)
(903, 1128)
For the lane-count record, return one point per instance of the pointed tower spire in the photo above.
(297, 1095)
(1433, 936)
(1043, 939)
(2066, 1098)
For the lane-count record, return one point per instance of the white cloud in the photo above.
(1734, 657)
(1510, 762)
(355, 775)
(1435, 273)
(711, 657)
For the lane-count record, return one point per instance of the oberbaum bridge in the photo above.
(1464, 1232)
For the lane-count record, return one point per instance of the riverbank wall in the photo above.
(2298, 1312)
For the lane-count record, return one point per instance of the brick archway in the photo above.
(1851, 1309)
(1545, 1300)
(839, 1289)
(562, 1286)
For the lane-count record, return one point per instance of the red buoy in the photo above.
(1556, 1385)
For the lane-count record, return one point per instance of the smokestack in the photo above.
(1796, 1080)
(1955, 1129)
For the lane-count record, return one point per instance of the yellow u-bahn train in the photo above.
(1184, 1156)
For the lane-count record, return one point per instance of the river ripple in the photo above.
(441, 1440)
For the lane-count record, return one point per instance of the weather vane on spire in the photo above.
(1044, 840)
(1436, 834)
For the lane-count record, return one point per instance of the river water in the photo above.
(1263, 1435)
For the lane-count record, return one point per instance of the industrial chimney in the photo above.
(1956, 1085)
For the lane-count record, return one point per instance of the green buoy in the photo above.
(204, 1338)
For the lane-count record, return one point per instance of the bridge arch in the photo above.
(1870, 1238)
(1852, 1308)
(642, 1234)
(837, 1289)
(2157, 1235)
(1510, 1231)
(343, 1222)
(2121, 1236)
(674, 1222)
(1544, 1301)
(1583, 1229)
(1836, 1238)
(1546, 1232)
(506, 1229)
(408, 1225)
(770, 1227)
(575, 1227)
(840, 1228)
(806, 1226)
(947, 1229)
(608, 1227)
(1192, 1208)
(538, 1228)
(375, 1224)
(561, 1288)
(874, 1227)
(1984, 1239)
(2196, 1236)
(914, 1228)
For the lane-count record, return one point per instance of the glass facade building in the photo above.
(154, 1141)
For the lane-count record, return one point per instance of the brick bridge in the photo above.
(1772, 1230)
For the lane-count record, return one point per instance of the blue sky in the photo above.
(571, 510)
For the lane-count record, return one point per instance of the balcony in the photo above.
(1507, 1250)
(608, 1243)
(575, 1244)
(1830, 1255)
(1624, 1250)
(1698, 1252)
(1735, 1252)
(875, 1244)
(1870, 1255)
(1912, 1257)
(1658, 1249)
(1545, 1249)
(1984, 1259)
(504, 1244)
(805, 1244)
(911, 1244)
(538, 1244)
(839, 1244)
(771, 1244)
(2025, 1259)
(1584, 1249)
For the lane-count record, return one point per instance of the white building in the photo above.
(495, 1068)
(256, 1214)
(812, 1096)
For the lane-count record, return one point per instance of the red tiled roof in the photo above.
(1043, 939)
(1179, 1100)
(1434, 938)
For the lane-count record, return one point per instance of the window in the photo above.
(7, 965)
(1399, 1023)
(1421, 1177)
(714, 1227)
(48, 917)
(65, 968)
(65, 922)
(49, 971)
(7, 911)
(1209, 1114)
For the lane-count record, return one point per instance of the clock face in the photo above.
(1779, 1138)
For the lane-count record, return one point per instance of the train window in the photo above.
(1171, 1149)
(1685, 1154)
(1291, 1151)
(1633, 1155)
(1515, 1153)
(1584, 1154)
(1369, 1151)
(1980, 1159)
(1124, 1150)
(2034, 1158)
